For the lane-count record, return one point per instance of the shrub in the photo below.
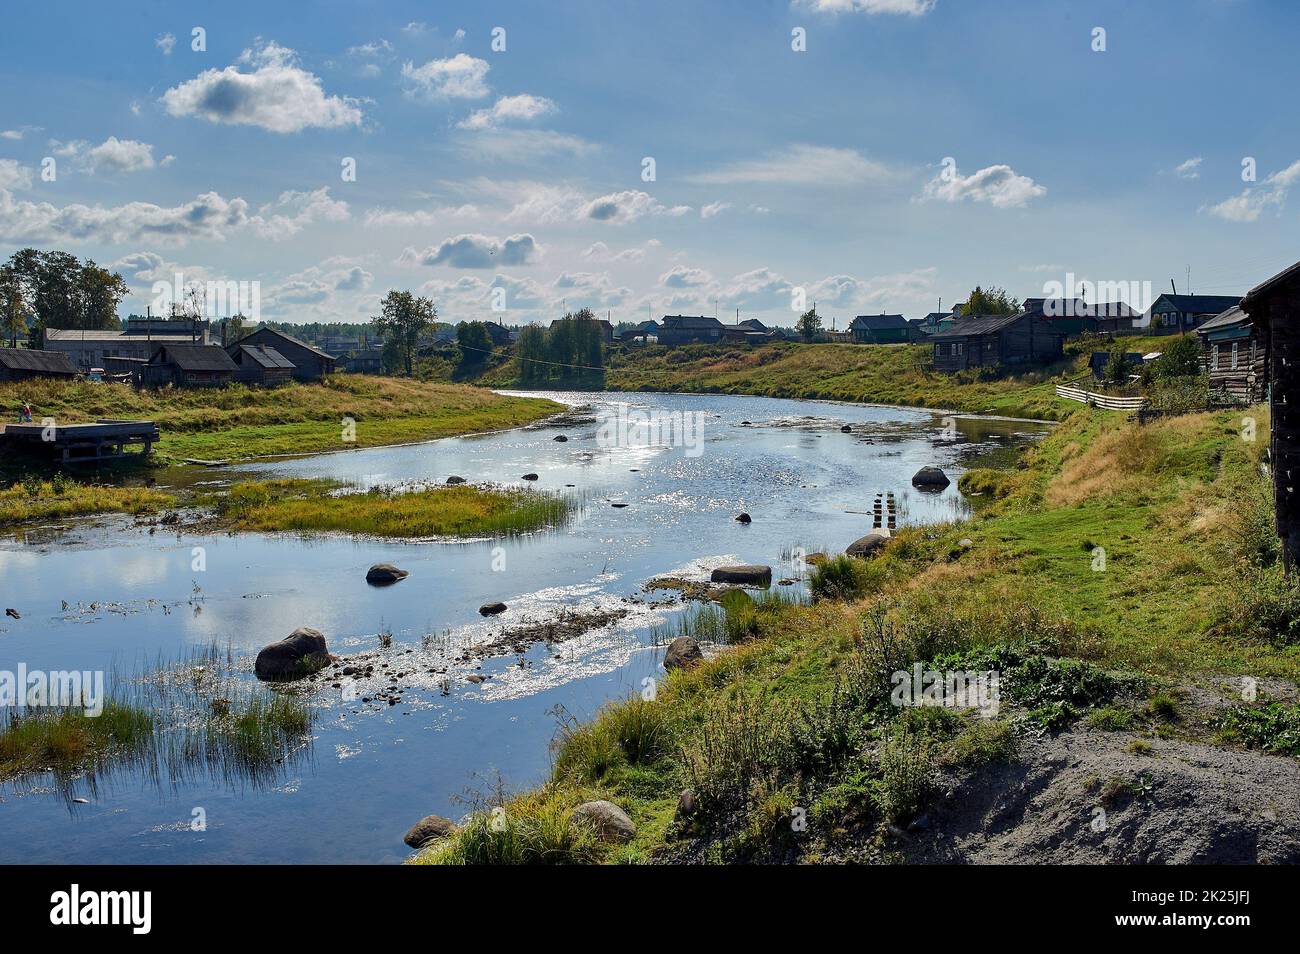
(531, 831)
(1272, 727)
(905, 780)
(983, 743)
(842, 578)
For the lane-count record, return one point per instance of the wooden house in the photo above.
(309, 362)
(688, 329)
(260, 364)
(188, 365)
(1233, 357)
(881, 329)
(1174, 314)
(1274, 310)
(23, 364)
(987, 340)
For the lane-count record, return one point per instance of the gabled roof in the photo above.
(291, 339)
(978, 325)
(880, 322)
(1269, 284)
(261, 355)
(1198, 304)
(934, 317)
(691, 323)
(1226, 319)
(1054, 308)
(28, 359)
(194, 357)
(752, 324)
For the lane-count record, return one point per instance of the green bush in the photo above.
(905, 775)
(842, 578)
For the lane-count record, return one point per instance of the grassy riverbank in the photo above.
(238, 422)
(1119, 570)
(33, 500)
(324, 506)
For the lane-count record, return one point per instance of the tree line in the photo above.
(58, 290)
(571, 351)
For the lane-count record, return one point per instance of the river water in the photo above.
(372, 770)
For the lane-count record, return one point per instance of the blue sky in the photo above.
(775, 171)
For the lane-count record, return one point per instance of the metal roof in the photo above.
(28, 359)
(1233, 316)
(264, 356)
(881, 322)
(194, 357)
(978, 325)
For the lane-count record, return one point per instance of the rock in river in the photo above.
(868, 545)
(453, 479)
(530, 476)
(743, 517)
(610, 822)
(683, 652)
(560, 439)
(746, 575)
(383, 574)
(491, 609)
(930, 478)
(301, 652)
(427, 829)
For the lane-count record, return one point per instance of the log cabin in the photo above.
(988, 340)
(1233, 357)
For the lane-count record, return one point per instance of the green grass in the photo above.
(67, 741)
(34, 499)
(238, 422)
(323, 506)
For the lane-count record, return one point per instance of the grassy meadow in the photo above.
(33, 499)
(1113, 564)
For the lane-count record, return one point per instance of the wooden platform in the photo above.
(106, 439)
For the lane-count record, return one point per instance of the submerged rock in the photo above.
(868, 545)
(427, 829)
(753, 574)
(683, 652)
(610, 822)
(930, 478)
(300, 653)
(743, 517)
(491, 609)
(560, 439)
(845, 429)
(383, 574)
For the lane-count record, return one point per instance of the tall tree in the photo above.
(13, 305)
(402, 319)
(809, 324)
(990, 301)
(474, 342)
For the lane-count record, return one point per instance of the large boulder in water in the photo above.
(744, 574)
(491, 609)
(868, 545)
(683, 652)
(610, 822)
(455, 479)
(427, 829)
(930, 478)
(743, 517)
(382, 574)
(300, 653)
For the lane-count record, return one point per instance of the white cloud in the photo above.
(293, 211)
(1189, 168)
(398, 218)
(999, 186)
(11, 134)
(112, 155)
(801, 165)
(278, 95)
(524, 107)
(476, 251)
(600, 252)
(459, 77)
(713, 209)
(913, 8)
(523, 145)
(208, 216)
(589, 289)
(1248, 206)
(620, 208)
(415, 28)
(372, 50)
(166, 42)
(13, 175)
(682, 276)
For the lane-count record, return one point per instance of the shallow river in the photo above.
(374, 769)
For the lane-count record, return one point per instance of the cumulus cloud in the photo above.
(402, 218)
(293, 211)
(713, 208)
(620, 208)
(112, 155)
(1251, 203)
(208, 216)
(166, 42)
(801, 165)
(13, 175)
(458, 77)
(999, 186)
(589, 289)
(521, 108)
(277, 95)
(476, 251)
(682, 276)
(1189, 168)
(600, 252)
(912, 8)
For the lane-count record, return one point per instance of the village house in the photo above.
(987, 340)
(499, 333)
(1174, 314)
(188, 365)
(685, 329)
(881, 329)
(751, 331)
(260, 364)
(640, 333)
(1075, 316)
(87, 348)
(309, 363)
(363, 362)
(1274, 309)
(23, 364)
(1233, 357)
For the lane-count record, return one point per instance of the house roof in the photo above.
(109, 334)
(1225, 319)
(880, 322)
(28, 359)
(292, 340)
(934, 317)
(1286, 275)
(978, 325)
(1198, 304)
(690, 323)
(1078, 308)
(261, 355)
(195, 357)
(753, 324)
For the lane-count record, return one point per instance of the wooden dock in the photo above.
(106, 439)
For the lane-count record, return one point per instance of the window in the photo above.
(1234, 356)
(956, 347)
(1214, 358)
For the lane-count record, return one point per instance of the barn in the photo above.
(260, 364)
(188, 365)
(309, 363)
(22, 364)
(986, 340)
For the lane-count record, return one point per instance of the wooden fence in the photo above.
(1105, 401)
